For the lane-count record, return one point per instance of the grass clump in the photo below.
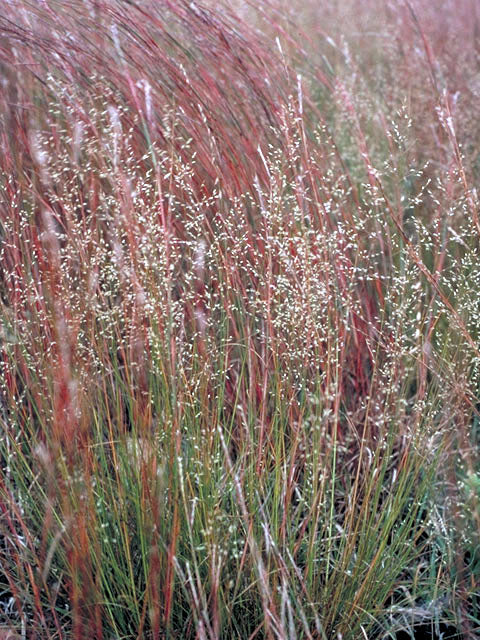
(239, 323)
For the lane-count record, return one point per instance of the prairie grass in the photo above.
(239, 314)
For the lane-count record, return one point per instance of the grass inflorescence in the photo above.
(239, 345)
